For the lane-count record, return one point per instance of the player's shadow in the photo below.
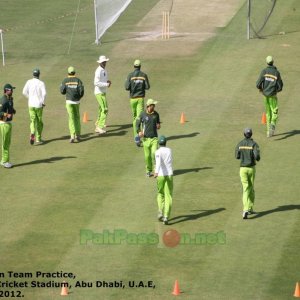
(44, 161)
(90, 136)
(286, 135)
(192, 217)
(62, 138)
(195, 170)
(182, 136)
(274, 210)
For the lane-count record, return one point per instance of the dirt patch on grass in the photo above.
(191, 23)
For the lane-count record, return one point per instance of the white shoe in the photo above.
(160, 216)
(101, 131)
(7, 165)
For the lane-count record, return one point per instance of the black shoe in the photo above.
(149, 174)
(165, 221)
(31, 140)
(245, 215)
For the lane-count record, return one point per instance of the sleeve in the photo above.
(128, 83)
(279, 83)
(158, 119)
(147, 83)
(157, 161)
(80, 88)
(260, 81)
(25, 90)
(63, 88)
(1, 109)
(237, 152)
(256, 152)
(44, 93)
(97, 80)
(139, 121)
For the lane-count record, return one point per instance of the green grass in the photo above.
(57, 189)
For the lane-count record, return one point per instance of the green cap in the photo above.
(71, 70)
(162, 140)
(269, 59)
(8, 87)
(137, 63)
(36, 72)
(151, 102)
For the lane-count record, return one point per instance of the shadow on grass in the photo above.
(274, 210)
(183, 171)
(44, 161)
(182, 136)
(118, 131)
(287, 135)
(62, 138)
(192, 217)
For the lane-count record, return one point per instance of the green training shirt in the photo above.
(248, 152)
(149, 124)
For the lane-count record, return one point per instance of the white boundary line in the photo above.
(73, 30)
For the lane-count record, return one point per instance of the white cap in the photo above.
(102, 58)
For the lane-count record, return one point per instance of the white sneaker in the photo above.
(7, 165)
(101, 131)
(160, 216)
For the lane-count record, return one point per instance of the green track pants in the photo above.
(36, 121)
(102, 110)
(150, 146)
(5, 129)
(74, 119)
(137, 106)
(164, 194)
(247, 175)
(271, 107)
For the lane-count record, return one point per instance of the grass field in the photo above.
(58, 189)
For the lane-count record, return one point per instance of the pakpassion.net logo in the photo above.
(170, 238)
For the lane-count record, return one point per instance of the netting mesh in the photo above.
(106, 13)
(260, 13)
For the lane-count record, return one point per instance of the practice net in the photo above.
(260, 12)
(106, 13)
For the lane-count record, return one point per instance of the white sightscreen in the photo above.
(106, 13)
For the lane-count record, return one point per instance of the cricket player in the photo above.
(137, 83)
(248, 152)
(164, 175)
(6, 115)
(73, 88)
(101, 84)
(147, 125)
(269, 84)
(35, 91)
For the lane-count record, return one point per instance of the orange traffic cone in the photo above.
(297, 290)
(64, 289)
(264, 118)
(176, 290)
(85, 117)
(182, 118)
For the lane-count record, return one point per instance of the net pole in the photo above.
(96, 22)
(248, 19)
(2, 47)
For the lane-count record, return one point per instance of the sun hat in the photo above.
(102, 58)
(151, 102)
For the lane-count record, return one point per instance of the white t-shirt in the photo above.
(163, 161)
(35, 91)
(100, 81)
